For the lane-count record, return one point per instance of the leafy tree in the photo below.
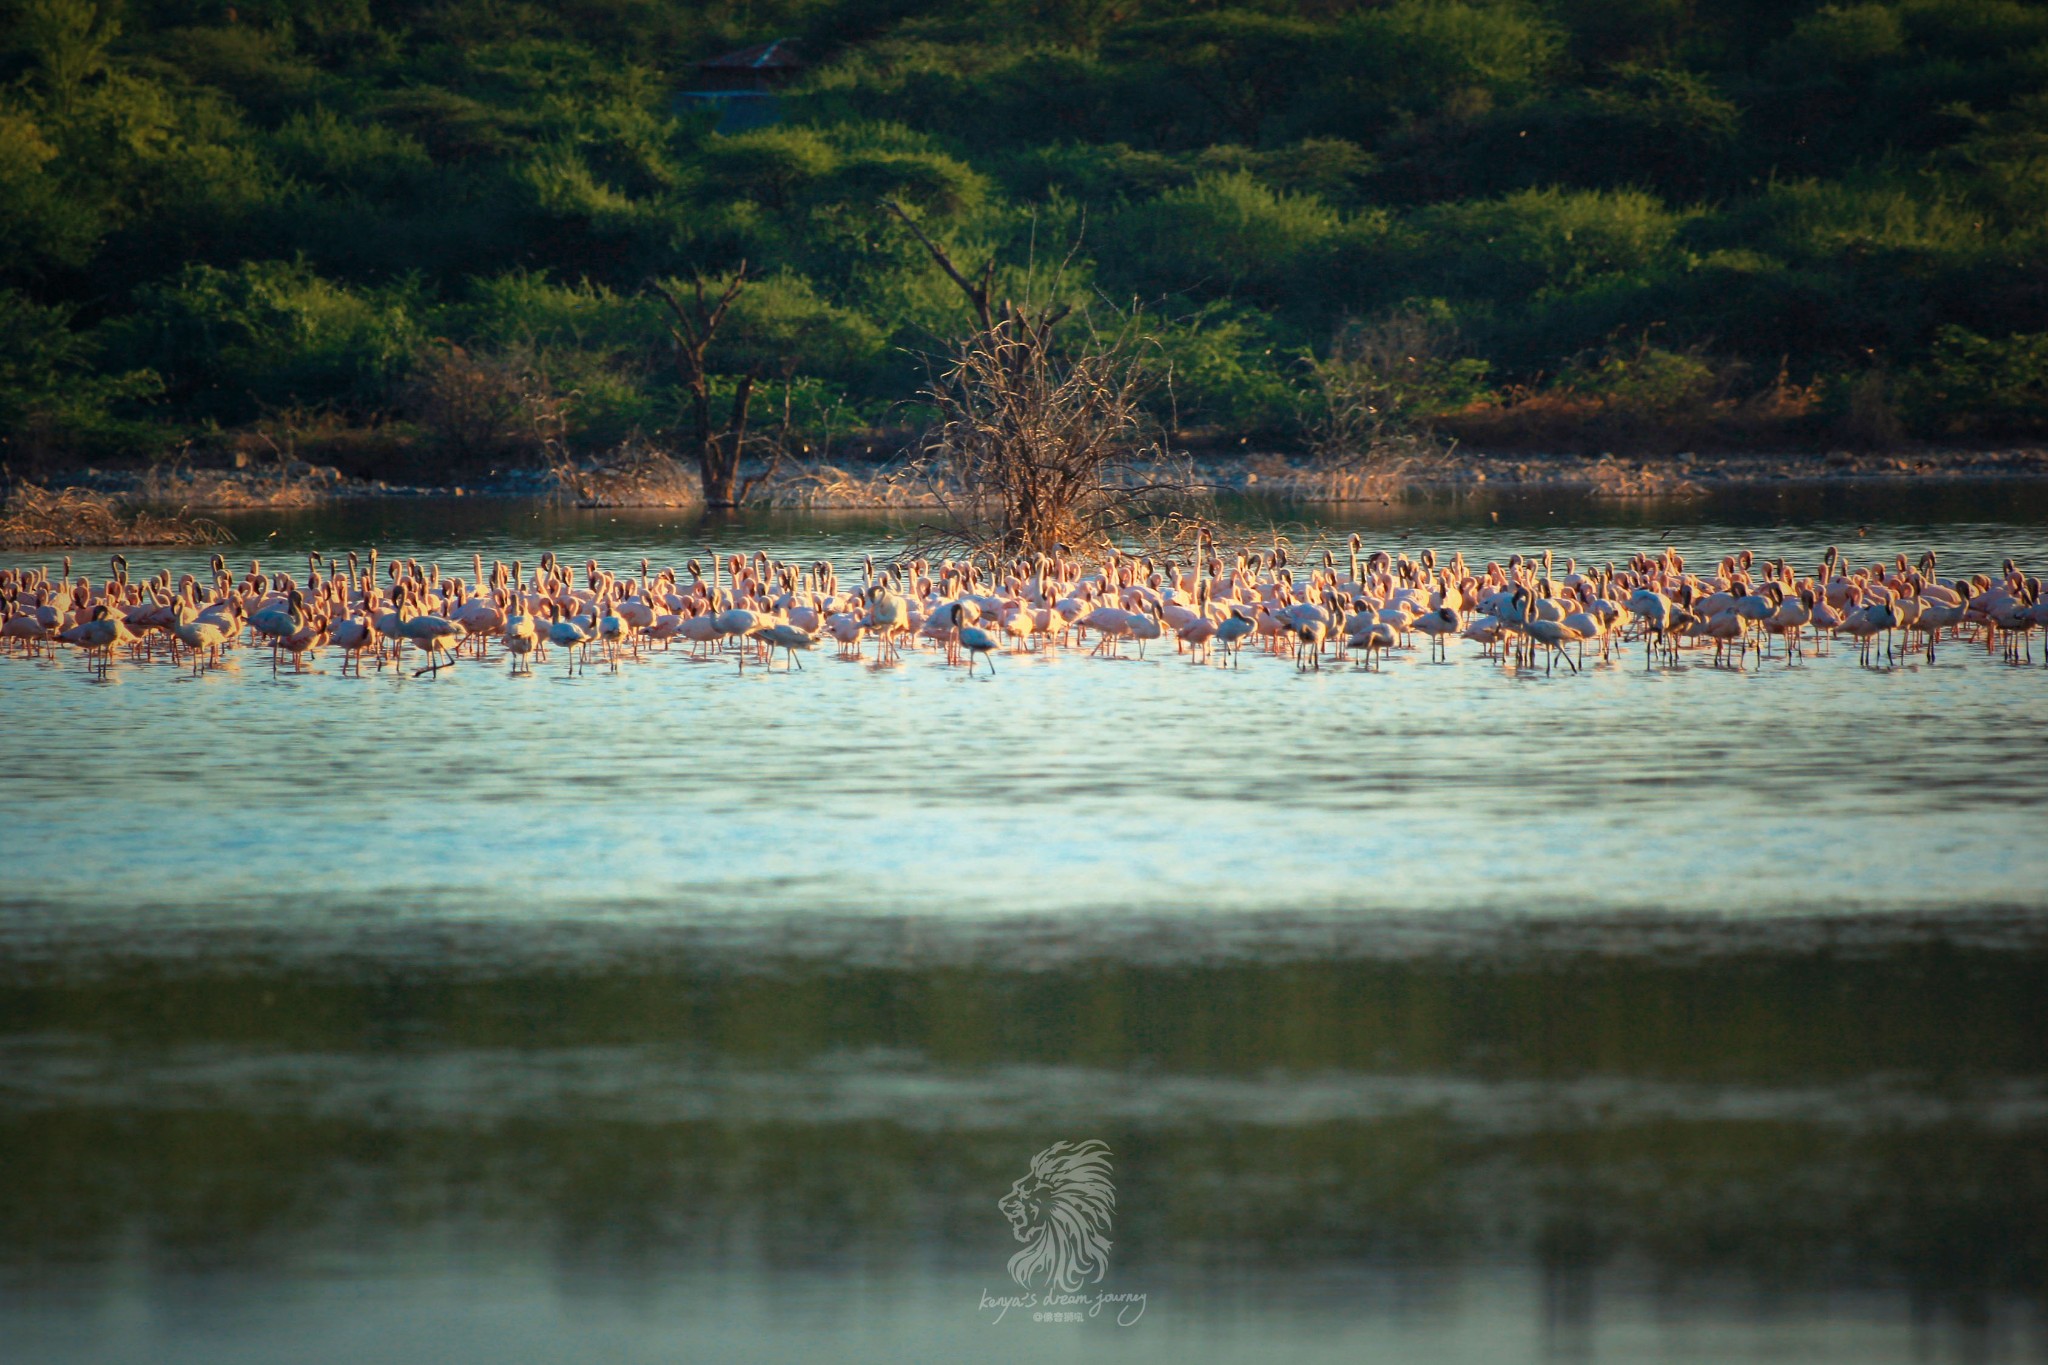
(40, 223)
(752, 333)
(1243, 65)
(1227, 234)
(53, 397)
(283, 201)
(1976, 386)
(270, 334)
(68, 41)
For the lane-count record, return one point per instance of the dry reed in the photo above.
(38, 518)
(635, 474)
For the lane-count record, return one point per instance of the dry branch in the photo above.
(1036, 445)
(693, 329)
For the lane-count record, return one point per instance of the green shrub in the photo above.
(527, 308)
(794, 169)
(1226, 369)
(1811, 220)
(1975, 30)
(1608, 31)
(1095, 173)
(1226, 234)
(452, 126)
(1824, 187)
(773, 167)
(1669, 130)
(982, 96)
(1644, 379)
(1417, 357)
(1844, 36)
(271, 334)
(1241, 66)
(562, 185)
(54, 399)
(255, 65)
(2004, 162)
(1430, 57)
(1977, 385)
(338, 154)
(1539, 240)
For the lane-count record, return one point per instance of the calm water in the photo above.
(1438, 1014)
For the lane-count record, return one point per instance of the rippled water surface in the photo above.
(1442, 1013)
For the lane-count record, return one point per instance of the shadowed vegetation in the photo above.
(430, 226)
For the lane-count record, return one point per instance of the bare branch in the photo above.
(977, 295)
(1045, 450)
(694, 330)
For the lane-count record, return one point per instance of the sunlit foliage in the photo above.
(211, 213)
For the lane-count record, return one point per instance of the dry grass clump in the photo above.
(268, 472)
(635, 474)
(37, 518)
(1611, 479)
(479, 409)
(1322, 479)
(1367, 424)
(817, 487)
(228, 488)
(1379, 479)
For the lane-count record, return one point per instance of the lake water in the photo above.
(1439, 1014)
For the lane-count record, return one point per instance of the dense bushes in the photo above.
(1226, 235)
(437, 219)
(1980, 386)
(269, 334)
(54, 400)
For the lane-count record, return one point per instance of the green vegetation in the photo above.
(430, 226)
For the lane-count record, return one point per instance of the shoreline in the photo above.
(872, 487)
(1681, 475)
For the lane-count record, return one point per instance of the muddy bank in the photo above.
(895, 485)
(1676, 475)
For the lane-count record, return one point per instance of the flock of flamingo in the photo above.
(1338, 604)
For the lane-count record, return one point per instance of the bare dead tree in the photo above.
(1047, 450)
(1043, 446)
(718, 449)
(981, 292)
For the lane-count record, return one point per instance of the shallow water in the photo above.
(1443, 1013)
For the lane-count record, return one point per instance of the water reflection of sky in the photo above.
(1063, 785)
